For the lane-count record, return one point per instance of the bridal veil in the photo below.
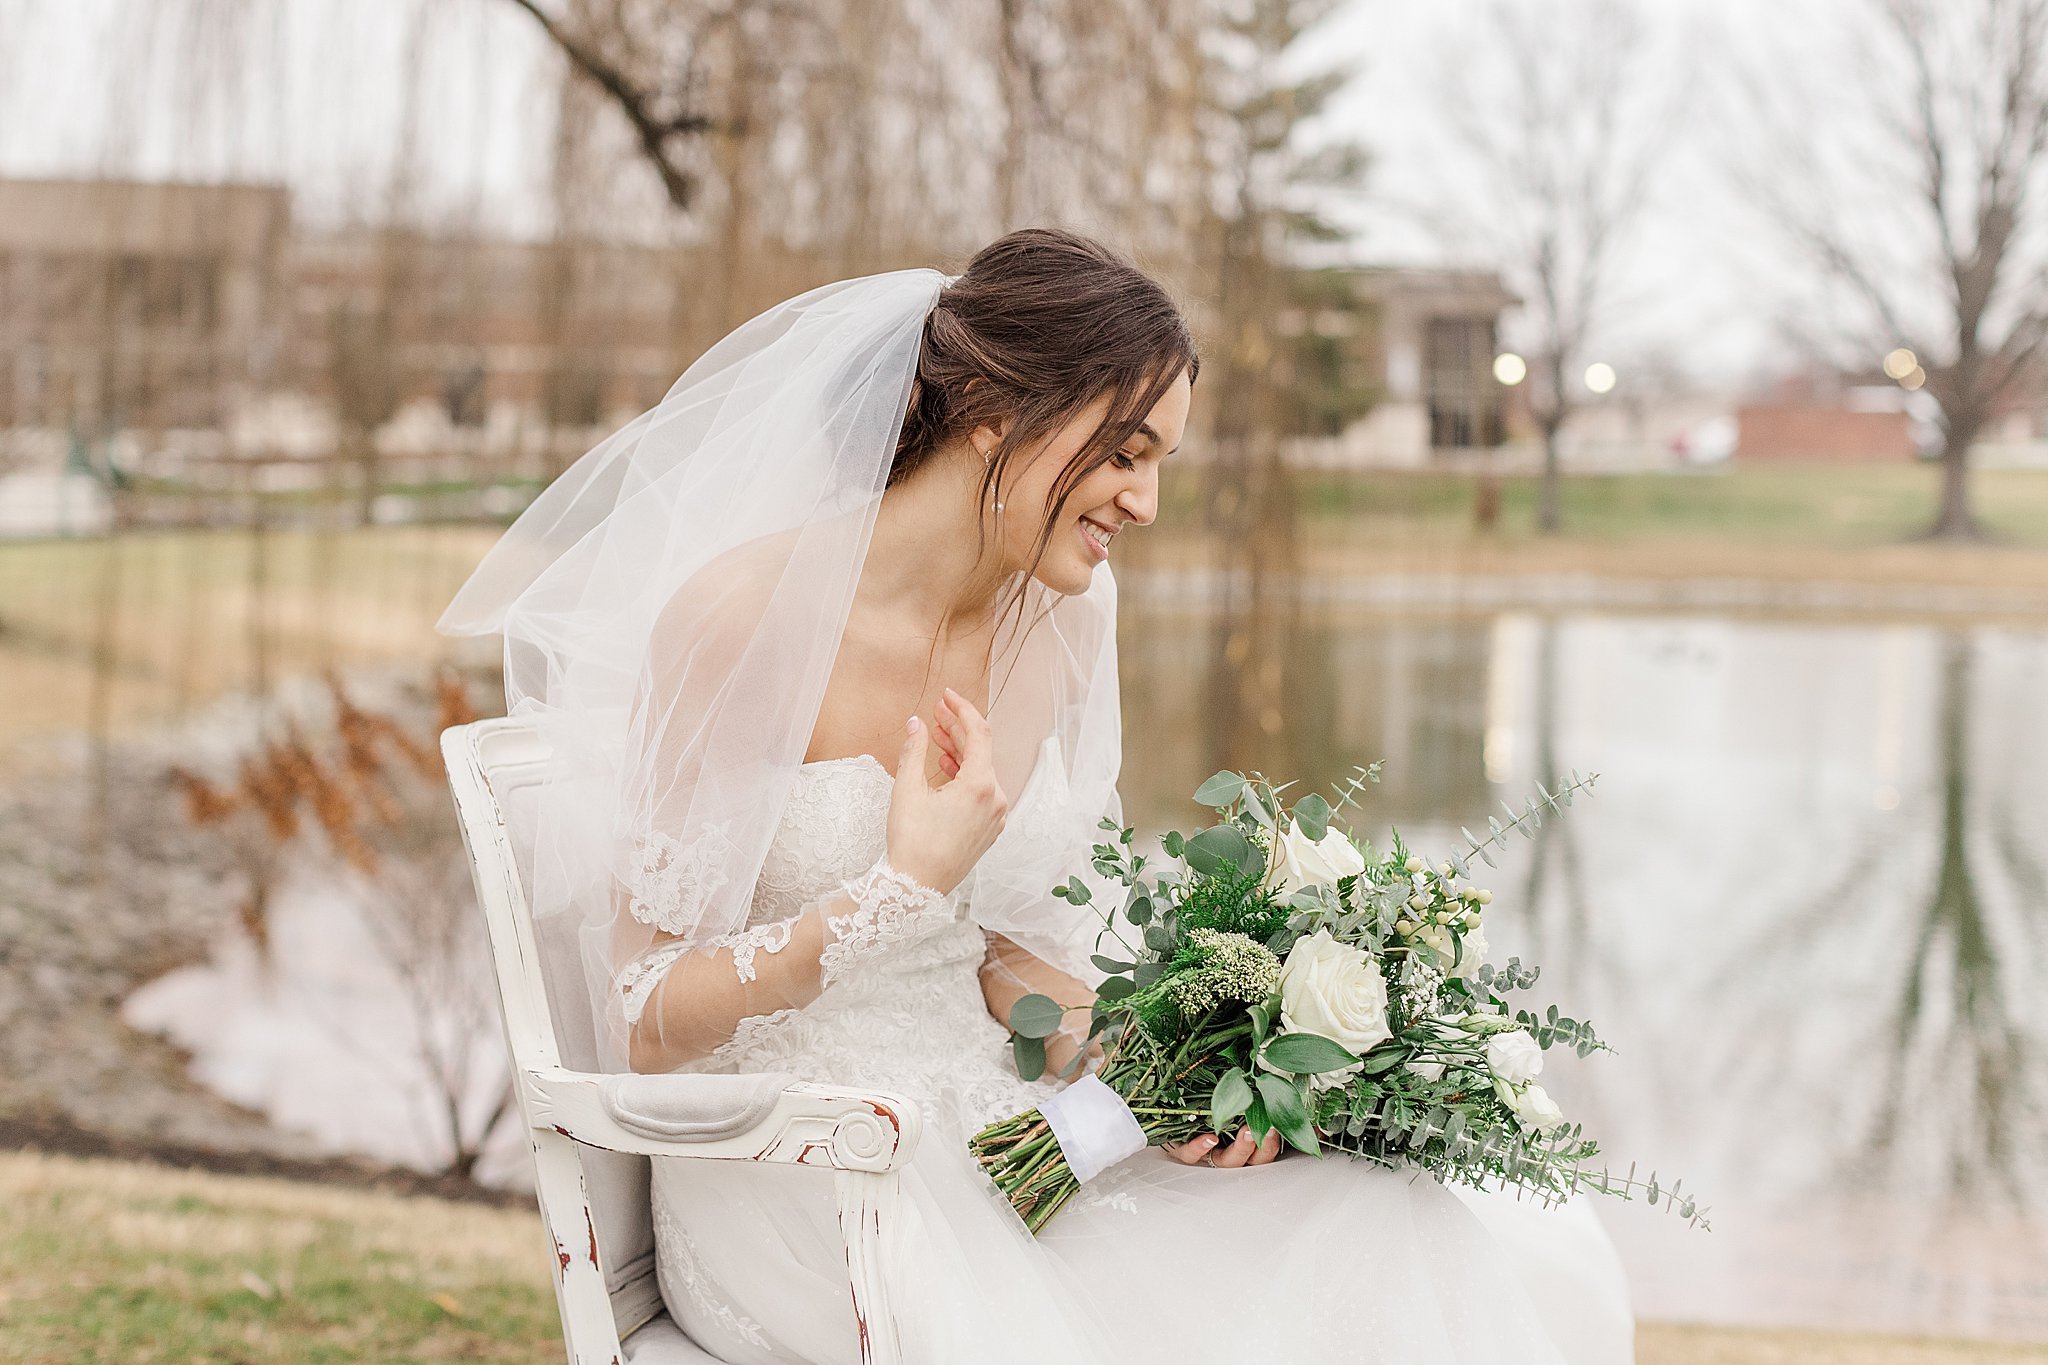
(671, 607)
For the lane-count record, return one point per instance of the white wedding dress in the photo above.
(1300, 1260)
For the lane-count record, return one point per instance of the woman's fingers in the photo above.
(1242, 1150)
(1194, 1150)
(1238, 1151)
(915, 736)
(968, 729)
(943, 737)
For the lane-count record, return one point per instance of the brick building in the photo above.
(130, 305)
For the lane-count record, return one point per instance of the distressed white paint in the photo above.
(863, 1135)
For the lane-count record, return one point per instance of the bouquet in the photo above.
(1284, 974)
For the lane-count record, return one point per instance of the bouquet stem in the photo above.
(1024, 1159)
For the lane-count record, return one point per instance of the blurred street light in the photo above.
(1902, 362)
(1510, 369)
(1600, 377)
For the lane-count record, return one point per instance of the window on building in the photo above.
(1458, 383)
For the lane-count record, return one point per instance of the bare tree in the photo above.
(1556, 118)
(1919, 204)
(640, 83)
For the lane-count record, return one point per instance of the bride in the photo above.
(829, 637)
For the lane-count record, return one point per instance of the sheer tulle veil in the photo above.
(671, 608)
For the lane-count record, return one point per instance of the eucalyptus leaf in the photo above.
(1312, 816)
(1218, 848)
(1077, 891)
(1110, 964)
(1116, 988)
(1030, 1055)
(1173, 843)
(1220, 791)
(1036, 1016)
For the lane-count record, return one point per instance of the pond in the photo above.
(1807, 904)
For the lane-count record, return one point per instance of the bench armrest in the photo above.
(768, 1118)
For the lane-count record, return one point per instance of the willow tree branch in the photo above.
(657, 133)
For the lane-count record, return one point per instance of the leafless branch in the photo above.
(660, 133)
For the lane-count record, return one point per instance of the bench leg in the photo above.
(867, 1210)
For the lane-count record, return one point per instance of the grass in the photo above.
(106, 1261)
(145, 627)
(1812, 506)
(110, 1261)
(1791, 524)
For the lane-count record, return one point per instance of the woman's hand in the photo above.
(1210, 1150)
(938, 833)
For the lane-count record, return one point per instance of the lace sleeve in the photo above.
(888, 906)
(682, 1000)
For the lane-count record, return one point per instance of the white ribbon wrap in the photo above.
(1094, 1127)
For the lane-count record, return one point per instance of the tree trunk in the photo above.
(1956, 520)
(1549, 515)
(1486, 502)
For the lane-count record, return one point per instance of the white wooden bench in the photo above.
(592, 1133)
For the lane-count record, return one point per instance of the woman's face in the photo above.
(1123, 489)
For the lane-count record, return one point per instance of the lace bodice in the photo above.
(906, 1013)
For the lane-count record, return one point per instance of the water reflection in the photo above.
(1413, 692)
(1808, 904)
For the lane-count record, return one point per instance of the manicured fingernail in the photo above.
(912, 723)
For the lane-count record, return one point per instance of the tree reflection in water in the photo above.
(1960, 1110)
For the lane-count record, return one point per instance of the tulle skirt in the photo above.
(1301, 1260)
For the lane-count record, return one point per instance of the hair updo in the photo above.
(1041, 324)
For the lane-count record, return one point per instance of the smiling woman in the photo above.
(1068, 431)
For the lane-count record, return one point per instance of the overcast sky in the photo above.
(315, 96)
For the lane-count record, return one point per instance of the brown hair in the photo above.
(1041, 324)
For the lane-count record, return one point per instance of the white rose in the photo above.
(1472, 952)
(1336, 990)
(1534, 1109)
(1319, 862)
(1514, 1056)
(1429, 1071)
